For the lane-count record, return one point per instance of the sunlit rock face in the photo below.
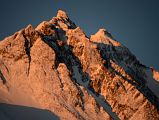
(56, 67)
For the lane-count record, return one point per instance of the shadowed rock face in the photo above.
(56, 67)
(15, 112)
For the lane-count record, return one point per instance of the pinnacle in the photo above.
(61, 14)
(29, 27)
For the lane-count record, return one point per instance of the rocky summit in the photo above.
(55, 67)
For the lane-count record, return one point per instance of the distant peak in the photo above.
(101, 31)
(103, 36)
(62, 14)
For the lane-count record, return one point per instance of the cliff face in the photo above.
(55, 66)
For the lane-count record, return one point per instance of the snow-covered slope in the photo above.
(55, 66)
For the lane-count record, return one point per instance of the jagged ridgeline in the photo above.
(56, 67)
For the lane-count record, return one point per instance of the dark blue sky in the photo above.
(134, 23)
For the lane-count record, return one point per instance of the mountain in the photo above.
(56, 67)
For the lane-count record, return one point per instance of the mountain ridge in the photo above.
(75, 76)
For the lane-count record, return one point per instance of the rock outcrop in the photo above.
(55, 66)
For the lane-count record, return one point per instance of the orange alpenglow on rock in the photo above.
(56, 67)
(155, 74)
(102, 36)
(61, 14)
